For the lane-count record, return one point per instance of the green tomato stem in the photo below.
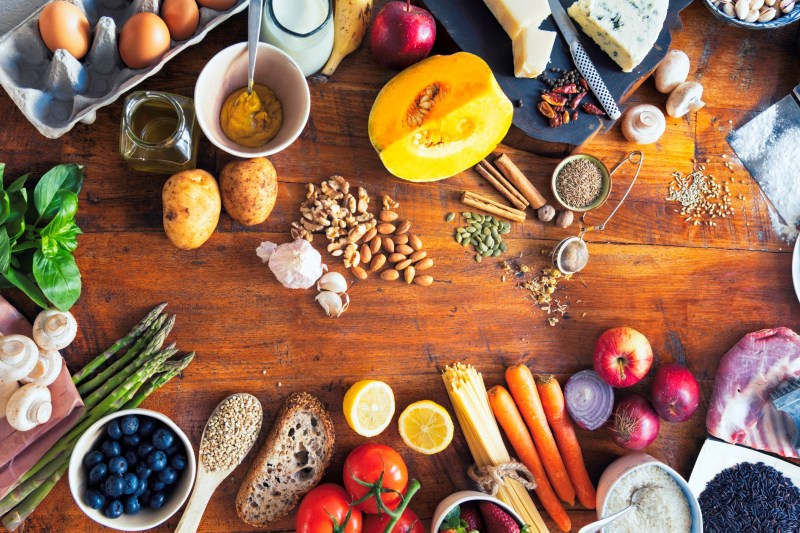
(413, 487)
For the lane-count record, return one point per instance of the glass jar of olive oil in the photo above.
(159, 132)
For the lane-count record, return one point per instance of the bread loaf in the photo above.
(291, 462)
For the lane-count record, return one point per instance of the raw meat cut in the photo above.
(740, 411)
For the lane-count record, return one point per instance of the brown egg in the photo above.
(219, 5)
(182, 18)
(143, 40)
(63, 25)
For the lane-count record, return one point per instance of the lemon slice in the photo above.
(426, 427)
(369, 407)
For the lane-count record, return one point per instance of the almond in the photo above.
(366, 253)
(403, 227)
(388, 244)
(408, 274)
(396, 258)
(425, 264)
(388, 216)
(368, 236)
(415, 242)
(390, 274)
(404, 249)
(416, 256)
(359, 272)
(423, 280)
(377, 262)
(375, 244)
(386, 228)
(402, 265)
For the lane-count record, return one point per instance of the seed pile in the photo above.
(579, 183)
(231, 432)
(750, 497)
(541, 288)
(702, 198)
(484, 233)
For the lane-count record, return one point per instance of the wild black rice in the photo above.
(750, 498)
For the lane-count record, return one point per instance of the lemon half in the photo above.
(426, 427)
(369, 407)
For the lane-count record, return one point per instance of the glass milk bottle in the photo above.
(301, 28)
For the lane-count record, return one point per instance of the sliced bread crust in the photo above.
(292, 461)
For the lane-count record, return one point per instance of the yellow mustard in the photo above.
(251, 120)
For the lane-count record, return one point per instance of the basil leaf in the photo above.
(15, 223)
(45, 195)
(58, 277)
(2, 170)
(26, 285)
(68, 206)
(5, 206)
(49, 246)
(17, 184)
(5, 250)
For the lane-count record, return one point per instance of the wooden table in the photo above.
(693, 290)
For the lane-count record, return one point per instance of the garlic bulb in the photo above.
(47, 368)
(7, 390)
(297, 265)
(18, 356)
(332, 281)
(54, 329)
(29, 407)
(332, 303)
(643, 124)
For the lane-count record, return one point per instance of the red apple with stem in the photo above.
(675, 393)
(622, 356)
(401, 34)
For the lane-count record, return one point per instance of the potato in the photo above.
(249, 190)
(191, 208)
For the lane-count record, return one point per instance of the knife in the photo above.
(582, 60)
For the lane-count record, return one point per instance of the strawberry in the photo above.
(497, 520)
(471, 515)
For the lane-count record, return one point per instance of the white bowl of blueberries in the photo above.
(132, 470)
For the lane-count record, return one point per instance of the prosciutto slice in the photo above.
(740, 411)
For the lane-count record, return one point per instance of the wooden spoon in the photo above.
(208, 480)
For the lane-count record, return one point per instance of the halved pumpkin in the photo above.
(439, 117)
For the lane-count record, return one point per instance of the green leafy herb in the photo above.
(37, 238)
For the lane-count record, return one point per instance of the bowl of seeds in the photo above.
(581, 182)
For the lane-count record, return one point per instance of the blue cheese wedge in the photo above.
(624, 29)
(532, 48)
(516, 15)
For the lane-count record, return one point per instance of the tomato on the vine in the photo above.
(366, 463)
(323, 505)
(408, 523)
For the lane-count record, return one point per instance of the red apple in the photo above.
(675, 393)
(401, 34)
(622, 356)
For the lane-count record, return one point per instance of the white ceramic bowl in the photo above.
(627, 464)
(457, 498)
(227, 71)
(146, 518)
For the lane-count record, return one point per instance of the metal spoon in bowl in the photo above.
(600, 524)
(253, 32)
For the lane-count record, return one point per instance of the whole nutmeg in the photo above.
(565, 219)
(546, 213)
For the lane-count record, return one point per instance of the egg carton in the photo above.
(55, 91)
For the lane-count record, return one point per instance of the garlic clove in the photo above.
(54, 329)
(18, 356)
(332, 281)
(47, 368)
(332, 303)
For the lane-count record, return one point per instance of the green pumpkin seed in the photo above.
(473, 241)
(449, 217)
(487, 253)
(478, 258)
(496, 253)
(471, 229)
(503, 247)
(487, 231)
(459, 238)
(467, 215)
(495, 234)
(482, 247)
(465, 243)
(490, 241)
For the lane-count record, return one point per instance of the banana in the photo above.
(351, 20)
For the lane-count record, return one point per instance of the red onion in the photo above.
(635, 423)
(675, 393)
(589, 399)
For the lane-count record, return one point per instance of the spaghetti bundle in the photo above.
(471, 404)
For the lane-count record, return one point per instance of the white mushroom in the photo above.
(672, 71)
(18, 356)
(332, 281)
(29, 407)
(332, 303)
(686, 97)
(7, 389)
(47, 368)
(643, 124)
(54, 329)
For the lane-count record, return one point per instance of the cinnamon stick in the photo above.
(490, 206)
(520, 181)
(493, 176)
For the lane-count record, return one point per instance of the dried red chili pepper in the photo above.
(546, 109)
(556, 121)
(570, 88)
(593, 109)
(566, 117)
(554, 99)
(584, 84)
(577, 99)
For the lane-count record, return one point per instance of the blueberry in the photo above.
(178, 462)
(146, 427)
(98, 473)
(144, 449)
(114, 430)
(111, 448)
(129, 424)
(93, 499)
(92, 458)
(143, 471)
(168, 475)
(142, 487)
(114, 509)
(157, 500)
(163, 438)
(144, 498)
(131, 483)
(114, 486)
(175, 448)
(117, 465)
(158, 485)
(130, 457)
(157, 460)
(132, 505)
(131, 440)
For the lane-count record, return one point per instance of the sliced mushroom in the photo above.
(686, 97)
(18, 356)
(47, 368)
(54, 329)
(29, 406)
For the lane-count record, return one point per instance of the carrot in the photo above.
(523, 390)
(556, 412)
(510, 420)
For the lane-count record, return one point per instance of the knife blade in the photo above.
(582, 60)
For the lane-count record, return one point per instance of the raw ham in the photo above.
(740, 411)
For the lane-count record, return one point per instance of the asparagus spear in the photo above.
(22, 491)
(98, 361)
(15, 518)
(169, 370)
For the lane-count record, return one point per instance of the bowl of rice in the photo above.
(665, 504)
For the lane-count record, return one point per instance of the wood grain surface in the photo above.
(693, 290)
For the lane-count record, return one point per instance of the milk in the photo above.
(301, 28)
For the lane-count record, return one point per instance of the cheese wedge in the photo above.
(532, 48)
(626, 30)
(516, 15)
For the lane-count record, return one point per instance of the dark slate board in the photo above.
(473, 28)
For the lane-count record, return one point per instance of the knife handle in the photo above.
(586, 68)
